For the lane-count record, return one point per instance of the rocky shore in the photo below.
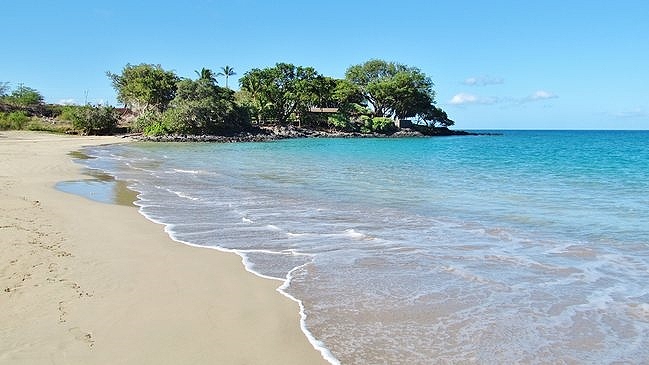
(273, 133)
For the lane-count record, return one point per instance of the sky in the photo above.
(498, 64)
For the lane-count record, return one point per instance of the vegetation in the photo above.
(371, 98)
(199, 107)
(14, 120)
(23, 108)
(4, 87)
(226, 71)
(283, 92)
(394, 90)
(98, 119)
(22, 96)
(145, 87)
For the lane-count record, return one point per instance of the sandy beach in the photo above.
(85, 282)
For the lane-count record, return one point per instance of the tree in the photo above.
(24, 96)
(252, 97)
(226, 71)
(391, 89)
(4, 87)
(207, 75)
(94, 119)
(202, 107)
(145, 86)
(436, 115)
(282, 91)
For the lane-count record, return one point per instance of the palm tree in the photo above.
(227, 71)
(206, 74)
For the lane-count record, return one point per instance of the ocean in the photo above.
(525, 247)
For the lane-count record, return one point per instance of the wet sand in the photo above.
(85, 282)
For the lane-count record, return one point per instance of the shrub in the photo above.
(67, 112)
(4, 124)
(95, 119)
(142, 121)
(151, 123)
(383, 125)
(365, 123)
(340, 122)
(14, 120)
(156, 129)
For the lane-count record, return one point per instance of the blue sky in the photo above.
(496, 64)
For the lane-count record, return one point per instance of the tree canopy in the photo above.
(4, 87)
(282, 91)
(145, 86)
(392, 89)
(369, 99)
(226, 71)
(97, 119)
(22, 96)
(206, 74)
(200, 106)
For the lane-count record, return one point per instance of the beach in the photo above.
(488, 249)
(84, 282)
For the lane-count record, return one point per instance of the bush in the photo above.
(14, 120)
(383, 125)
(152, 123)
(95, 119)
(144, 120)
(340, 122)
(158, 128)
(365, 123)
(67, 112)
(4, 124)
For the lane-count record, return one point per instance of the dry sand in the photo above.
(83, 282)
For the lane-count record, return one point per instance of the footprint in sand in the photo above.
(82, 336)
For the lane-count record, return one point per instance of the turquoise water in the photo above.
(529, 247)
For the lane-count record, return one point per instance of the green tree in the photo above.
(24, 96)
(391, 89)
(207, 75)
(226, 71)
(251, 97)
(145, 86)
(97, 119)
(201, 107)
(282, 91)
(436, 116)
(4, 88)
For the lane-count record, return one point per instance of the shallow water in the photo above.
(530, 247)
(99, 187)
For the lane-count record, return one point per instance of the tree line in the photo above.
(370, 97)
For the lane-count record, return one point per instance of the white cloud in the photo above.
(483, 81)
(473, 99)
(67, 102)
(541, 95)
(464, 99)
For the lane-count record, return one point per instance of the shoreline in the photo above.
(88, 282)
(275, 133)
(97, 183)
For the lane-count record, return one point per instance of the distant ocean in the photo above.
(528, 247)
